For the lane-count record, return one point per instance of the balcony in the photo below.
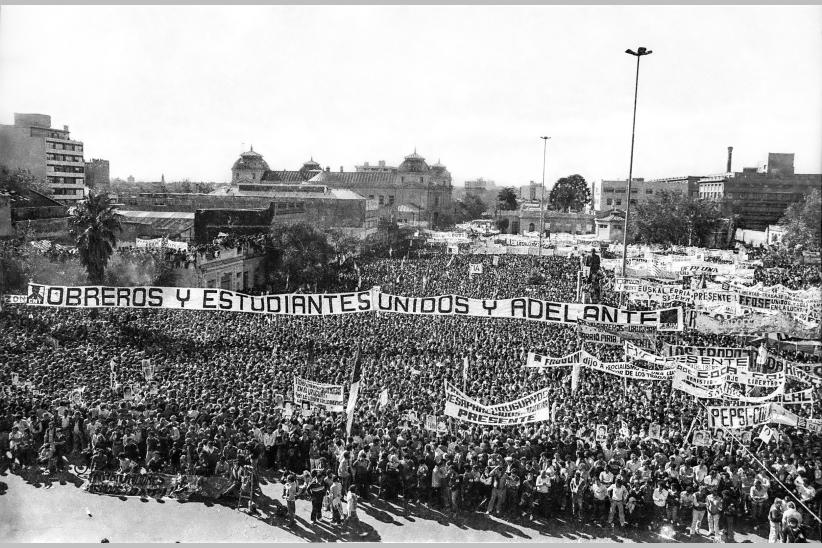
(73, 163)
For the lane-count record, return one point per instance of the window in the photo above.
(436, 201)
(370, 196)
(211, 283)
(649, 191)
(634, 191)
(391, 200)
(422, 180)
(611, 190)
(609, 201)
(633, 202)
(602, 226)
(618, 202)
(382, 199)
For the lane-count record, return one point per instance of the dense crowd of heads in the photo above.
(213, 402)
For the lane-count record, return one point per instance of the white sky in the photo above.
(178, 90)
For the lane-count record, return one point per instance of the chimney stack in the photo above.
(730, 156)
(341, 169)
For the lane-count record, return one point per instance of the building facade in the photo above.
(611, 194)
(415, 186)
(760, 196)
(48, 153)
(97, 174)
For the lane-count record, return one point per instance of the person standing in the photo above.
(336, 492)
(700, 504)
(316, 490)
(732, 511)
(775, 520)
(289, 494)
(619, 494)
(715, 508)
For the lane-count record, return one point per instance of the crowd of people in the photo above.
(218, 402)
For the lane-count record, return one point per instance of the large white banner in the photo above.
(801, 397)
(716, 352)
(738, 416)
(328, 396)
(538, 360)
(526, 308)
(533, 408)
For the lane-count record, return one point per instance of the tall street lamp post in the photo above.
(638, 54)
(542, 197)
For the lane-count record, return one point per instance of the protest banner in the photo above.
(716, 352)
(431, 423)
(801, 397)
(157, 485)
(526, 308)
(736, 416)
(591, 334)
(655, 431)
(754, 323)
(527, 410)
(475, 268)
(538, 360)
(14, 299)
(328, 396)
(743, 375)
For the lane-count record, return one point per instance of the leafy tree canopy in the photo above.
(803, 224)
(570, 194)
(507, 198)
(673, 218)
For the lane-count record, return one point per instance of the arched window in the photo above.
(531, 227)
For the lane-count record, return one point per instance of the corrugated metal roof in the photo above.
(135, 215)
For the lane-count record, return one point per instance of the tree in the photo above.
(95, 226)
(673, 218)
(300, 253)
(570, 194)
(507, 198)
(803, 223)
(20, 180)
(470, 208)
(502, 225)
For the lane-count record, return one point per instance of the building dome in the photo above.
(250, 161)
(413, 163)
(439, 169)
(311, 165)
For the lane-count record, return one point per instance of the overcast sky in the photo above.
(182, 90)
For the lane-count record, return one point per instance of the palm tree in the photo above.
(95, 225)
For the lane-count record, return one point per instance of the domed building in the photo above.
(249, 167)
(413, 163)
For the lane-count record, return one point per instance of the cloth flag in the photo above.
(465, 369)
(353, 392)
(450, 261)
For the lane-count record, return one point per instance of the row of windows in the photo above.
(67, 169)
(381, 199)
(618, 201)
(240, 281)
(63, 157)
(63, 146)
(67, 191)
(64, 181)
(622, 191)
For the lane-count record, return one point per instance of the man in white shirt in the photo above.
(618, 494)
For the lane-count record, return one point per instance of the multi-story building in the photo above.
(760, 196)
(611, 194)
(413, 187)
(97, 174)
(48, 153)
(379, 168)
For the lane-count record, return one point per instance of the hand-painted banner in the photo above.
(715, 352)
(465, 408)
(642, 336)
(538, 360)
(526, 308)
(780, 415)
(735, 416)
(157, 485)
(688, 361)
(743, 375)
(801, 397)
(751, 324)
(591, 334)
(809, 373)
(329, 396)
